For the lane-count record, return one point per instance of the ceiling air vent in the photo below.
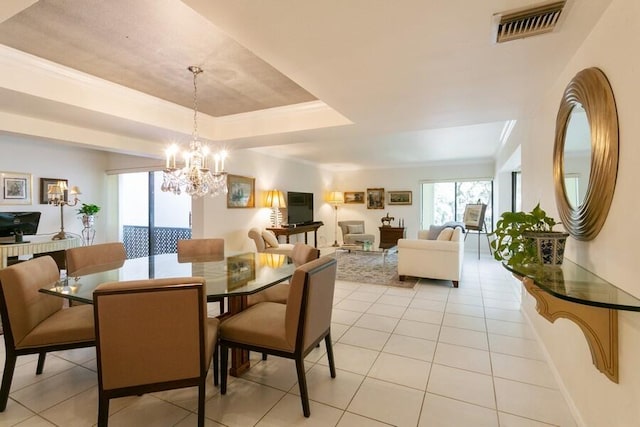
(531, 21)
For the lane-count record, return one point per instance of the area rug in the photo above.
(371, 268)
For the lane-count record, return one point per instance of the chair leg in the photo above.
(302, 382)
(216, 369)
(264, 356)
(41, 358)
(202, 391)
(329, 345)
(7, 377)
(103, 410)
(224, 368)
(455, 283)
(221, 305)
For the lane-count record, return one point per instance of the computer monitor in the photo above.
(13, 222)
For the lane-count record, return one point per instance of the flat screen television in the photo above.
(11, 222)
(299, 208)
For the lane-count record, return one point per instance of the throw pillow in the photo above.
(434, 231)
(445, 234)
(455, 237)
(270, 239)
(356, 229)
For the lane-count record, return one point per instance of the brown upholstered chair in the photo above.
(301, 254)
(289, 330)
(89, 256)
(36, 323)
(152, 335)
(202, 250)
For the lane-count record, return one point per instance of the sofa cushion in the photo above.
(356, 229)
(434, 231)
(270, 239)
(445, 234)
(455, 236)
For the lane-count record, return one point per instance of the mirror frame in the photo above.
(590, 88)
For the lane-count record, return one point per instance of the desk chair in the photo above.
(289, 330)
(36, 323)
(202, 250)
(153, 335)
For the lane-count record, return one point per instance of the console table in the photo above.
(299, 229)
(576, 294)
(36, 246)
(389, 236)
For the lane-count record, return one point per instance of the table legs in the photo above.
(239, 358)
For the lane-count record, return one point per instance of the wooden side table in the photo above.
(389, 236)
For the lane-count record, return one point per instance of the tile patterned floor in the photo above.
(428, 356)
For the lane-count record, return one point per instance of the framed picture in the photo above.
(375, 198)
(400, 198)
(474, 216)
(16, 188)
(241, 192)
(353, 197)
(45, 186)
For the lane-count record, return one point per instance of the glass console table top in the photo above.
(574, 283)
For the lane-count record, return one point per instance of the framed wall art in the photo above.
(45, 186)
(400, 198)
(16, 188)
(241, 192)
(353, 197)
(375, 198)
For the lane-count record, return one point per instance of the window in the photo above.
(446, 201)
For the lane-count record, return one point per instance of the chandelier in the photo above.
(196, 177)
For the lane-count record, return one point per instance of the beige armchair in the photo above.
(301, 254)
(36, 323)
(267, 242)
(152, 335)
(353, 233)
(435, 259)
(289, 330)
(83, 257)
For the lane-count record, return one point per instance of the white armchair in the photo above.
(434, 259)
(267, 242)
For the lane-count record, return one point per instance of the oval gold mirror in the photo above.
(585, 155)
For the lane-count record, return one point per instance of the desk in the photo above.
(235, 275)
(299, 229)
(36, 246)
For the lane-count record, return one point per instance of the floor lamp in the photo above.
(336, 198)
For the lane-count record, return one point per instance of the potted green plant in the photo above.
(527, 238)
(88, 212)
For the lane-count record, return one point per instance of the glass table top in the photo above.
(574, 283)
(236, 273)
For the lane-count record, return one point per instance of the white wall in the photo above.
(44, 159)
(613, 254)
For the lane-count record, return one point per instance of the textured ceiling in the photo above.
(342, 84)
(147, 45)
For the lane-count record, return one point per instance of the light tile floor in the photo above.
(428, 356)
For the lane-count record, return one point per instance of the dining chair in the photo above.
(202, 250)
(36, 323)
(94, 255)
(289, 330)
(301, 254)
(153, 335)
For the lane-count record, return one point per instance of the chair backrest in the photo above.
(94, 255)
(150, 331)
(23, 306)
(201, 250)
(303, 253)
(310, 302)
(256, 235)
(344, 226)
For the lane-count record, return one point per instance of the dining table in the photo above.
(233, 275)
